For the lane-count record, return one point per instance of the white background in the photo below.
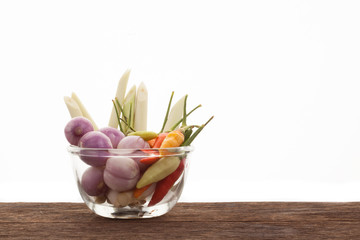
(281, 78)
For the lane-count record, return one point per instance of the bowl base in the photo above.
(131, 212)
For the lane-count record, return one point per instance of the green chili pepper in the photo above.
(158, 171)
(146, 135)
(187, 133)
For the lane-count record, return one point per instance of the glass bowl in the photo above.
(109, 191)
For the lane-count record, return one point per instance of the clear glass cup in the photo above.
(123, 205)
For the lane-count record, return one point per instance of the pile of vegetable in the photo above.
(129, 180)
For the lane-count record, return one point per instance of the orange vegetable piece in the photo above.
(139, 191)
(159, 139)
(152, 142)
(173, 139)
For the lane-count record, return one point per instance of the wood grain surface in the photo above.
(241, 220)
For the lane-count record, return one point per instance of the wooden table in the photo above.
(240, 220)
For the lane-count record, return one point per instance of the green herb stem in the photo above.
(125, 122)
(184, 112)
(175, 125)
(167, 112)
(121, 109)
(130, 116)
(194, 135)
(118, 116)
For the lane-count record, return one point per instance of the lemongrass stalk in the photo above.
(73, 107)
(83, 110)
(120, 93)
(141, 107)
(175, 114)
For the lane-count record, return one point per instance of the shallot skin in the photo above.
(114, 134)
(95, 139)
(121, 173)
(92, 181)
(76, 128)
(101, 143)
(135, 143)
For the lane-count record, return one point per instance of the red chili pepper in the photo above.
(159, 139)
(163, 186)
(149, 151)
(149, 160)
(152, 158)
(151, 142)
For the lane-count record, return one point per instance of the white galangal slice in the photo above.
(141, 107)
(120, 94)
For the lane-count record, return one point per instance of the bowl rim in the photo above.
(77, 149)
